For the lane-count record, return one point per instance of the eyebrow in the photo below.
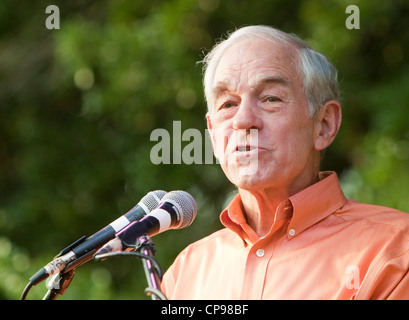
(279, 79)
(220, 89)
(223, 86)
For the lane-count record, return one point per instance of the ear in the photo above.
(209, 121)
(210, 128)
(209, 125)
(327, 124)
(211, 133)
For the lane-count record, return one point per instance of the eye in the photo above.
(227, 105)
(272, 99)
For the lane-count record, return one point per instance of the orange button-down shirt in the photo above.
(321, 246)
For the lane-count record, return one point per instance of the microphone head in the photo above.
(187, 205)
(152, 199)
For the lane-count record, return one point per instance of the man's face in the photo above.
(262, 133)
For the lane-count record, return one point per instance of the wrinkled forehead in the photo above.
(251, 60)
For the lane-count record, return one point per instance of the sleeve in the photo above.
(401, 290)
(390, 282)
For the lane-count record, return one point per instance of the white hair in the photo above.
(318, 74)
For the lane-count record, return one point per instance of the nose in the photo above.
(247, 116)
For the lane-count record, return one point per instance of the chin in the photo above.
(250, 181)
(251, 185)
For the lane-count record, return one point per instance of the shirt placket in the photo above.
(257, 262)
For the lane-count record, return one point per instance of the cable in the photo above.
(26, 290)
(155, 291)
(148, 290)
(134, 254)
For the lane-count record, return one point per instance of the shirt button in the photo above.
(260, 253)
(291, 232)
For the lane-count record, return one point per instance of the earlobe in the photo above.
(328, 122)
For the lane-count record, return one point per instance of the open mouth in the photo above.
(245, 148)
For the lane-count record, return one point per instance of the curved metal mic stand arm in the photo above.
(146, 247)
(145, 250)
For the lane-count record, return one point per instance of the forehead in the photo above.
(251, 61)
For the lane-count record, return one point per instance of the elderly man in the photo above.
(290, 233)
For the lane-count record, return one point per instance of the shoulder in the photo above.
(376, 217)
(381, 234)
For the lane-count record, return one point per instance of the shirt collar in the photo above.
(234, 219)
(304, 209)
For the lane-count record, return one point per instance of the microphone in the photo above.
(176, 211)
(83, 248)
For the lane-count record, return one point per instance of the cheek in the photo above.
(293, 139)
(220, 139)
(303, 148)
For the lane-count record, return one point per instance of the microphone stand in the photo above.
(58, 284)
(145, 246)
(144, 249)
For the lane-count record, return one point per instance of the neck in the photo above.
(260, 205)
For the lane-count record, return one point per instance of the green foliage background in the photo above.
(78, 104)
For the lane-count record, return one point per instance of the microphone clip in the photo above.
(145, 243)
(70, 247)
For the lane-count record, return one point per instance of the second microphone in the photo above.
(176, 211)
